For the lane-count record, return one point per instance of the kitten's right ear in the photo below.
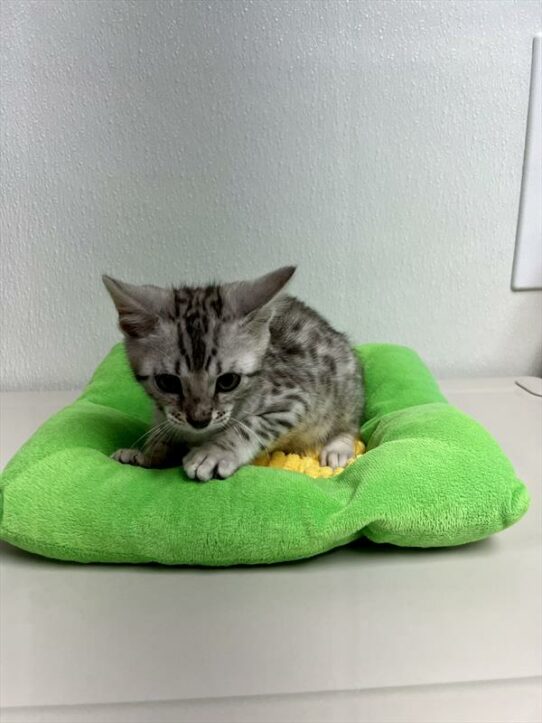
(139, 307)
(246, 297)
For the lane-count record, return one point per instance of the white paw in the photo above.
(203, 462)
(130, 456)
(337, 452)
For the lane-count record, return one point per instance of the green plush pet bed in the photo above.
(431, 477)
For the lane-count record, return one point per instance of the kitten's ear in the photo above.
(139, 307)
(245, 297)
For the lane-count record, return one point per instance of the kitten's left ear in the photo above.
(244, 297)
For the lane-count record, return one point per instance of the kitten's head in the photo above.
(196, 350)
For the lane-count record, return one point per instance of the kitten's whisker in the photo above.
(163, 435)
(142, 437)
(249, 430)
(150, 432)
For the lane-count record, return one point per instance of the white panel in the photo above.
(496, 701)
(528, 262)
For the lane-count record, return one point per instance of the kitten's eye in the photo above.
(168, 383)
(227, 382)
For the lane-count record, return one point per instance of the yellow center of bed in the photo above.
(307, 463)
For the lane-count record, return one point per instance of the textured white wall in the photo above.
(377, 144)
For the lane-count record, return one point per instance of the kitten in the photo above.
(234, 371)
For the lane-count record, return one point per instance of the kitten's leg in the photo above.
(239, 444)
(130, 456)
(338, 451)
(157, 456)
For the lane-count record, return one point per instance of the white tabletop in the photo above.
(365, 633)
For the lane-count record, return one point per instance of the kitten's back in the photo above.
(306, 351)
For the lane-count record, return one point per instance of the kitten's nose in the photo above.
(199, 423)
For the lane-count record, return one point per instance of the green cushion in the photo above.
(431, 477)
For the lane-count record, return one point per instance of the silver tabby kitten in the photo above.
(234, 371)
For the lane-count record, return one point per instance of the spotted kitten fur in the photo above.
(233, 371)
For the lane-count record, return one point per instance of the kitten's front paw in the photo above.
(130, 456)
(337, 452)
(202, 463)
